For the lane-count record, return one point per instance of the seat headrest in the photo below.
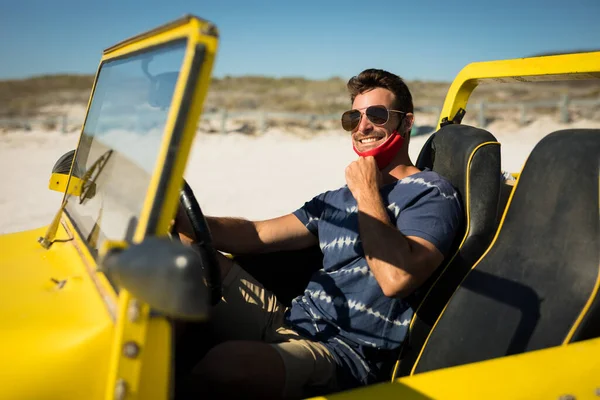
(449, 150)
(469, 158)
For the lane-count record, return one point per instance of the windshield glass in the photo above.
(121, 139)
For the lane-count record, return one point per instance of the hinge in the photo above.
(458, 117)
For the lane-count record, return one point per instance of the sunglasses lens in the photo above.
(350, 120)
(377, 115)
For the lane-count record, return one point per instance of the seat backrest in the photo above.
(470, 159)
(537, 284)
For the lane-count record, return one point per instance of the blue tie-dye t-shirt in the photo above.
(343, 306)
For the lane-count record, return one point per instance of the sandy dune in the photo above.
(233, 174)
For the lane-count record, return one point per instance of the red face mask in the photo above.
(385, 152)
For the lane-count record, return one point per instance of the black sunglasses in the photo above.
(378, 115)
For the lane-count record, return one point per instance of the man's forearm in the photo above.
(234, 235)
(240, 236)
(386, 249)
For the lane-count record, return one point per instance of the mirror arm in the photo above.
(50, 236)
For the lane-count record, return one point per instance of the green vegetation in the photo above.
(25, 97)
(28, 97)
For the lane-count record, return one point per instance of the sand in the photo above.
(256, 177)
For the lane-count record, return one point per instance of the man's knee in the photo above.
(242, 368)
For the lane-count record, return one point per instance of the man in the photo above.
(382, 235)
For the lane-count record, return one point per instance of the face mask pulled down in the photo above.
(385, 152)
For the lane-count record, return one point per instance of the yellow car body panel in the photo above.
(572, 370)
(156, 367)
(55, 328)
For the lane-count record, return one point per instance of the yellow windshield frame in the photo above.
(190, 91)
(147, 374)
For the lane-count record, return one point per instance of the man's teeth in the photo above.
(368, 140)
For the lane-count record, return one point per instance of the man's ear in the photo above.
(407, 124)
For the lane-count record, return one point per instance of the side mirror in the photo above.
(167, 275)
(60, 175)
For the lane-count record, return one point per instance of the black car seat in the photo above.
(469, 158)
(537, 285)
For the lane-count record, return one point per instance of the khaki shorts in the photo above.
(250, 312)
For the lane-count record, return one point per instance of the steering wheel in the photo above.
(202, 240)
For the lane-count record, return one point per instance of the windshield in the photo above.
(121, 139)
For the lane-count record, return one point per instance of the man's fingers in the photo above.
(182, 223)
(369, 160)
(185, 239)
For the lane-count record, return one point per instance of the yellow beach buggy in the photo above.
(90, 303)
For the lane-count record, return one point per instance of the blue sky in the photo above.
(418, 39)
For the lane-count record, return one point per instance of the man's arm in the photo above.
(240, 236)
(399, 263)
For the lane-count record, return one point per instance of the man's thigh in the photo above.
(307, 363)
(249, 312)
(246, 309)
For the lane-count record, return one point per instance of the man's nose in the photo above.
(364, 126)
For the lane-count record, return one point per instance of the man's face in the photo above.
(367, 135)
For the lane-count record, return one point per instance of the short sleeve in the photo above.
(311, 212)
(433, 216)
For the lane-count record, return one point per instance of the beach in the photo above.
(234, 174)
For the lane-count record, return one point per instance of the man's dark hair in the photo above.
(377, 78)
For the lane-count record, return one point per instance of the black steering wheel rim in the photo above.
(202, 240)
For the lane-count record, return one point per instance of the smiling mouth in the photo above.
(369, 140)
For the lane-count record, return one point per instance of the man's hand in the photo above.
(181, 226)
(363, 176)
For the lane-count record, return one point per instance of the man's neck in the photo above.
(399, 168)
